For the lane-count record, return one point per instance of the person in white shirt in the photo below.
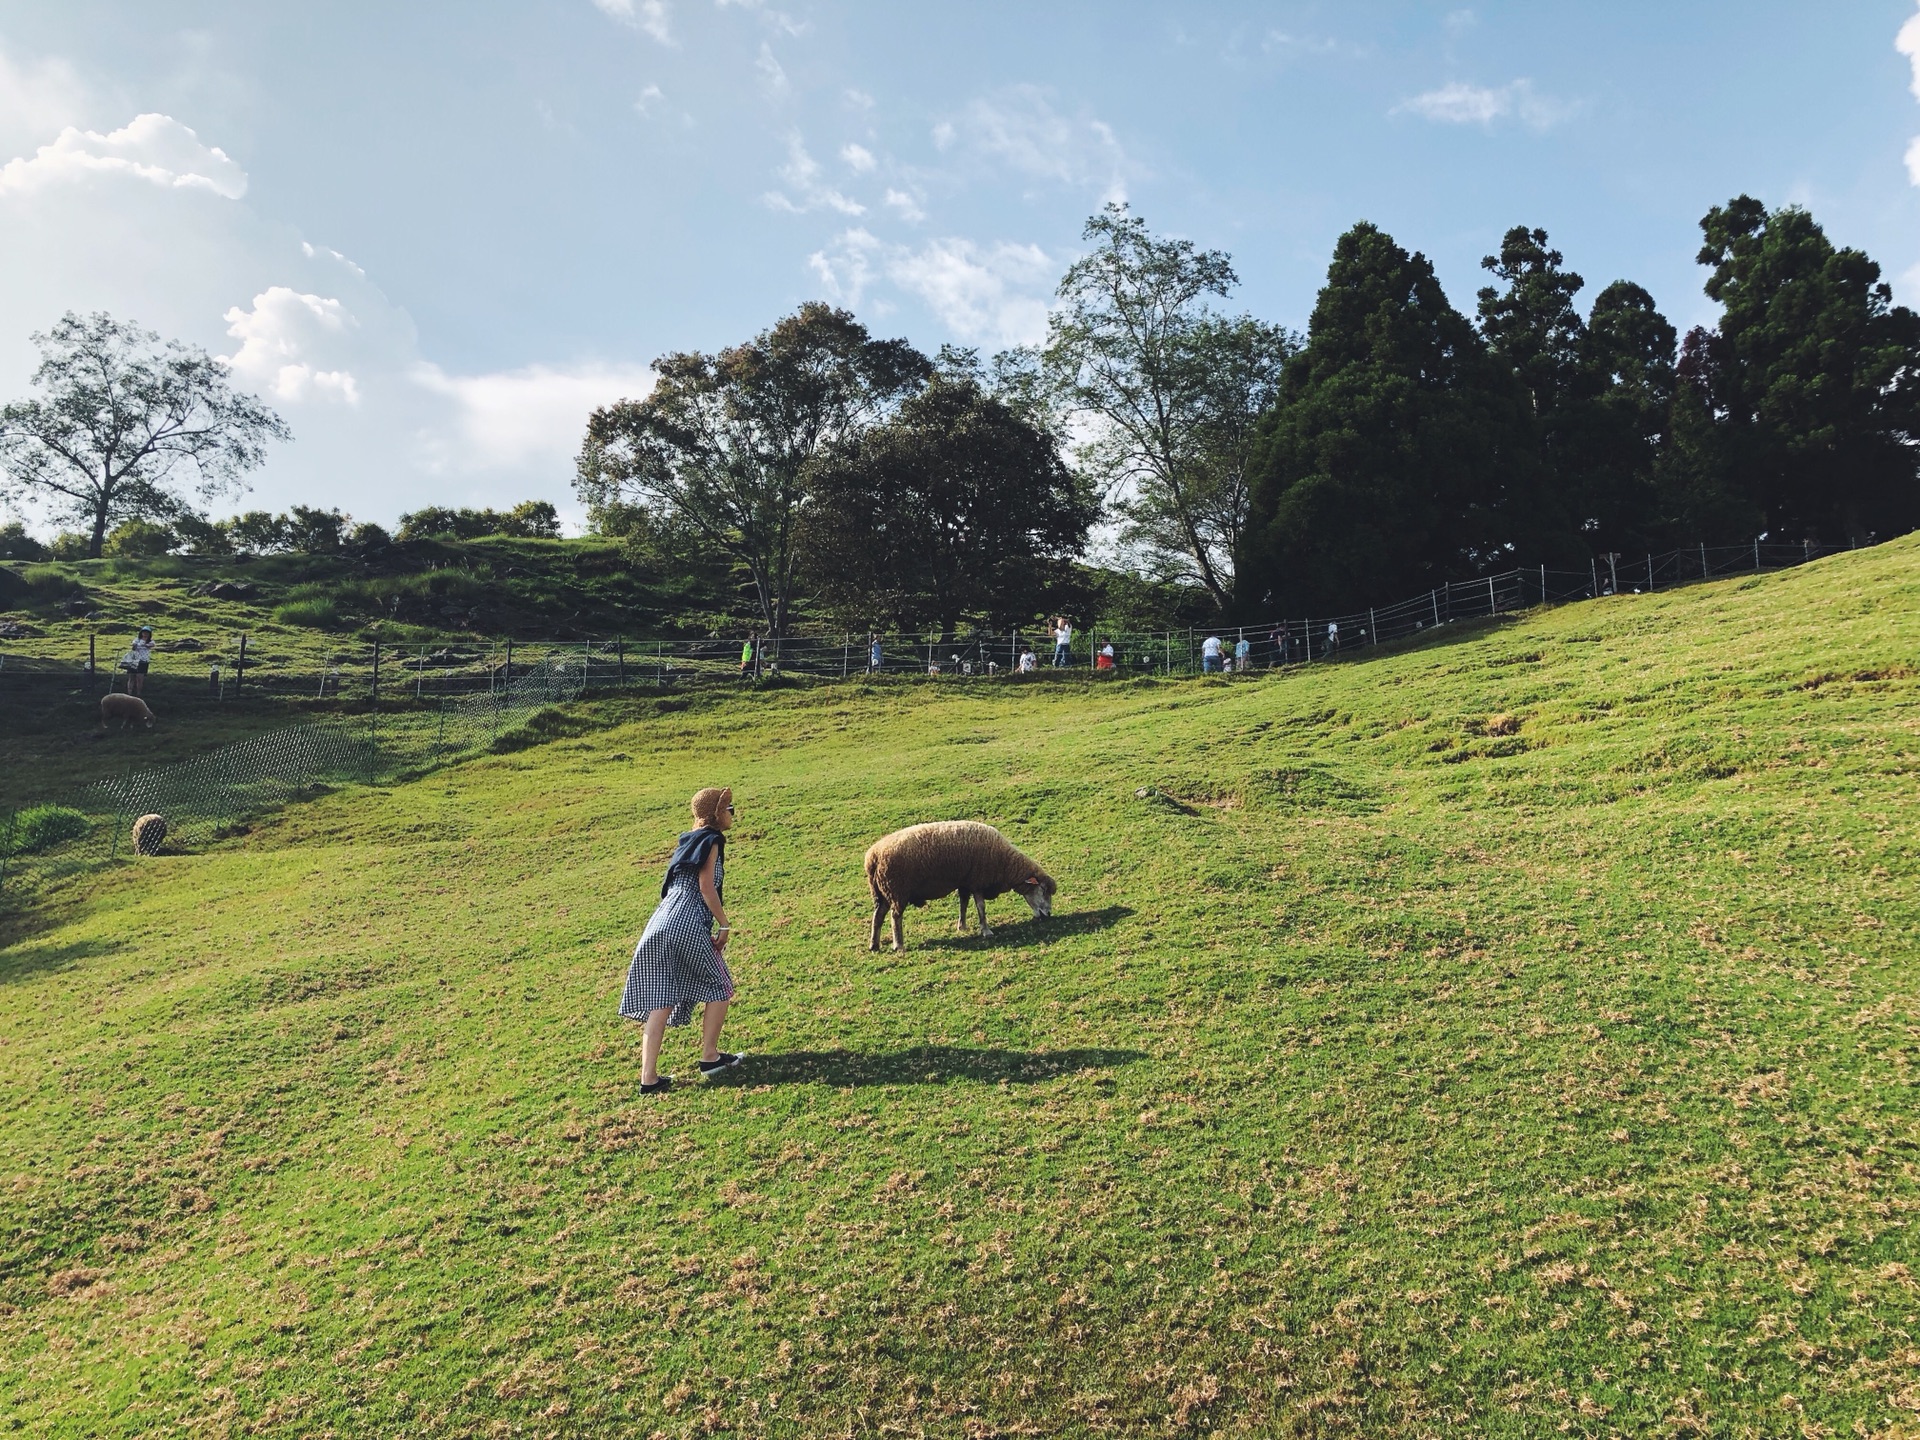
(1333, 636)
(1062, 641)
(1028, 663)
(138, 660)
(1243, 654)
(1210, 654)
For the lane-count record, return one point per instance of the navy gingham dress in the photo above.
(674, 965)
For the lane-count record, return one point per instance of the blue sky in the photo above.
(434, 235)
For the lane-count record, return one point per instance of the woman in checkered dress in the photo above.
(681, 960)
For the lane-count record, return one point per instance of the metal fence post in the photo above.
(1593, 568)
(1373, 628)
(1649, 574)
(1543, 584)
(1756, 552)
(1493, 601)
(376, 674)
(240, 666)
(1703, 560)
(1434, 596)
(620, 662)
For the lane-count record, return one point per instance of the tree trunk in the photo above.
(99, 538)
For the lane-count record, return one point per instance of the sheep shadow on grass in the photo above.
(1021, 934)
(922, 1065)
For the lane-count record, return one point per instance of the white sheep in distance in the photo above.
(125, 708)
(927, 862)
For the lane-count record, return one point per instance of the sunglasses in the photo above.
(729, 810)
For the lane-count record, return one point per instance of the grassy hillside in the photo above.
(1513, 1037)
(302, 609)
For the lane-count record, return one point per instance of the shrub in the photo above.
(316, 614)
(44, 826)
(70, 545)
(17, 544)
(139, 540)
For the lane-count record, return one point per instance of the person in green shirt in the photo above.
(746, 656)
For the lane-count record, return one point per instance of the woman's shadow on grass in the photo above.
(923, 1065)
(1020, 936)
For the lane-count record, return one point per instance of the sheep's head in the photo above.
(1039, 892)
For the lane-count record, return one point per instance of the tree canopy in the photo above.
(957, 508)
(120, 420)
(1397, 454)
(1804, 402)
(1166, 391)
(724, 443)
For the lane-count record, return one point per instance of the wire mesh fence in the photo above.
(210, 796)
(412, 707)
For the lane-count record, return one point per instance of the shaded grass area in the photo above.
(1385, 1070)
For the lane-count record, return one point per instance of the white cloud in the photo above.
(648, 100)
(1282, 42)
(647, 16)
(858, 158)
(515, 420)
(992, 294)
(280, 338)
(1463, 104)
(40, 99)
(773, 78)
(989, 293)
(156, 149)
(1019, 129)
(906, 206)
(1908, 44)
(774, 19)
(113, 222)
(845, 267)
(802, 175)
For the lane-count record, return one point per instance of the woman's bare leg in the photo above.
(712, 1016)
(651, 1035)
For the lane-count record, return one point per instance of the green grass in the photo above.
(41, 827)
(1384, 1070)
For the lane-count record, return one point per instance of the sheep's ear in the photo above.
(1033, 879)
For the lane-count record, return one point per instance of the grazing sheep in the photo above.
(126, 708)
(149, 834)
(926, 862)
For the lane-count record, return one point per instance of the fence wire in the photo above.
(211, 796)
(460, 699)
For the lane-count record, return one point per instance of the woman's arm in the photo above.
(711, 895)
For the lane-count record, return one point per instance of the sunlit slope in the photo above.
(1380, 1072)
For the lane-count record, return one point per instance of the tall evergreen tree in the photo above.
(1599, 388)
(1811, 382)
(1398, 453)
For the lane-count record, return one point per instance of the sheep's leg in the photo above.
(899, 931)
(980, 904)
(963, 912)
(879, 914)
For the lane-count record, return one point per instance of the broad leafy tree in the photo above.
(1398, 454)
(724, 444)
(958, 508)
(1810, 383)
(122, 421)
(1165, 390)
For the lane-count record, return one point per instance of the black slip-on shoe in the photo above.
(658, 1087)
(723, 1061)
